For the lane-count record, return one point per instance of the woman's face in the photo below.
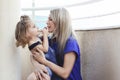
(50, 25)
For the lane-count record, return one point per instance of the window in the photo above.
(38, 16)
(86, 14)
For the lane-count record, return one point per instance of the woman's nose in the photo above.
(47, 22)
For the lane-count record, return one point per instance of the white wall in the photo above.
(9, 58)
(100, 54)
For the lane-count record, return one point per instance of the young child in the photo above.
(27, 33)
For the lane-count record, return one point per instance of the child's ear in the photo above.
(27, 35)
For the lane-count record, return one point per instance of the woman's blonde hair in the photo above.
(21, 29)
(62, 21)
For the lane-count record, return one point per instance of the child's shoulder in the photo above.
(33, 44)
(34, 41)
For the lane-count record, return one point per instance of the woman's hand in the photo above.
(38, 57)
(44, 76)
(38, 66)
(41, 75)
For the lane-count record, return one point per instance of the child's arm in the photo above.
(45, 40)
(44, 45)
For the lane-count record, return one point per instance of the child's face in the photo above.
(33, 31)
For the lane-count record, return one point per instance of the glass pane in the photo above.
(94, 10)
(111, 21)
(40, 21)
(29, 13)
(57, 3)
(26, 3)
(41, 18)
(42, 12)
(87, 14)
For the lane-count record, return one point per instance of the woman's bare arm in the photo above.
(64, 72)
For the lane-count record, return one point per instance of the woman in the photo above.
(65, 45)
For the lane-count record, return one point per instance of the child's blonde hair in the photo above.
(21, 30)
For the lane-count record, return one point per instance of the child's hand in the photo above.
(45, 31)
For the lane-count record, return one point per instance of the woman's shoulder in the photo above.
(72, 39)
(72, 45)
